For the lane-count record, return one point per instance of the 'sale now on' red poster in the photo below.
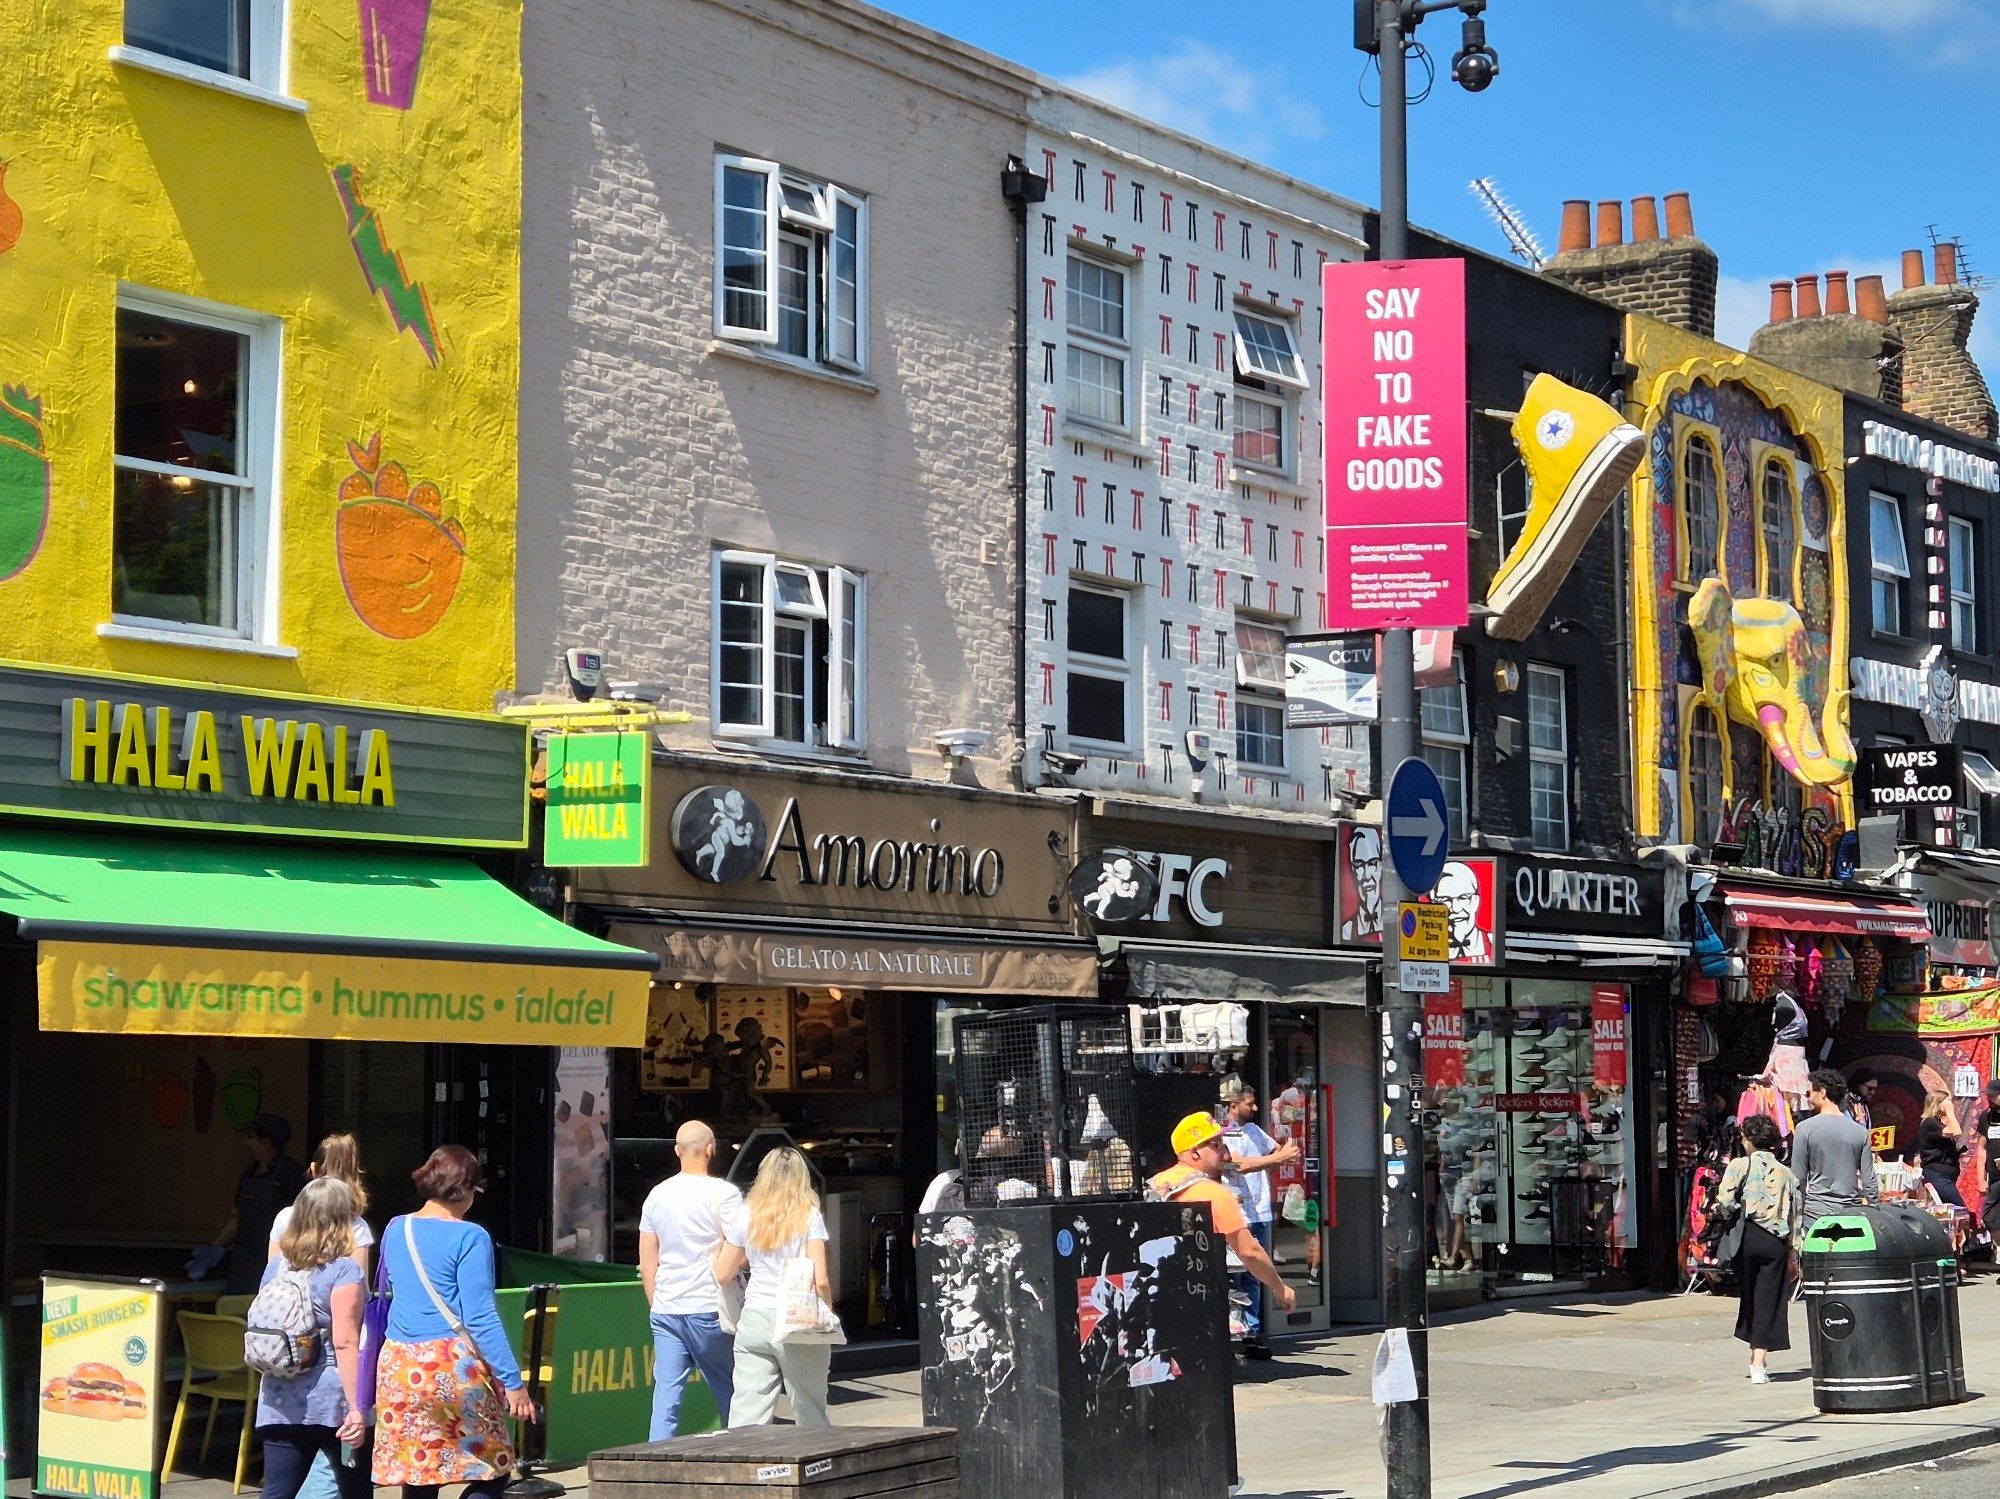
(1607, 1035)
(1444, 1039)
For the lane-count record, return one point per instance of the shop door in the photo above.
(1353, 1214)
(1296, 1110)
(495, 1101)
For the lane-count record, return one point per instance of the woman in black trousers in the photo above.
(1765, 1196)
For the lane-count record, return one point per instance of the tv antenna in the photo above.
(1967, 276)
(1520, 238)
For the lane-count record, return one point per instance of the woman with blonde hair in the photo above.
(316, 1412)
(1939, 1148)
(783, 1222)
(337, 1159)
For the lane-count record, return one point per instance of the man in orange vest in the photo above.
(1196, 1176)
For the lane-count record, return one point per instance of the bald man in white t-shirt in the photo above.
(684, 1220)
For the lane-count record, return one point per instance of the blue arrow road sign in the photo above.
(1418, 833)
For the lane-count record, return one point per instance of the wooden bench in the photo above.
(837, 1462)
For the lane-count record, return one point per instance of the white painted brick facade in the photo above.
(1162, 510)
(646, 443)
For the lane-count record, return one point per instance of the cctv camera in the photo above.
(585, 670)
(1063, 763)
(1475, 65)
(958, 743)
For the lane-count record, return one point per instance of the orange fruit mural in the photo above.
(400, 554)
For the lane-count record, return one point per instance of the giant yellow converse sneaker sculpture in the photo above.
(1579, 453)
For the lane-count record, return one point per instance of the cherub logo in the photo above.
(1115, 881)
(719, 834)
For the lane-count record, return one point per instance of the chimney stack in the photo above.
(1671, 279)
(1870, 301)
(1833, 345)
(1941, 381)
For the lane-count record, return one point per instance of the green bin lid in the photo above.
(1841, 1233)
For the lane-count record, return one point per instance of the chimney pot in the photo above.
(1946, 257)
(1575, 226)
(1781, 301)
(1870, 301)
(1645, 220)
(1680, 216)
(1913, 268)
(1611, 222)
(1808, 296)
(1836, 294)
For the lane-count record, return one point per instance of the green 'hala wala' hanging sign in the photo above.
(599, 789)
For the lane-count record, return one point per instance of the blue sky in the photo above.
(1812, 134)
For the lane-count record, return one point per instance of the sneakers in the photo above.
(1579, 454)
(1759, 1374)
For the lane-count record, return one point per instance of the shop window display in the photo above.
(1528, 1134)
(821, 1065)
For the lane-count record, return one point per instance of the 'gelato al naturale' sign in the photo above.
(130, 750)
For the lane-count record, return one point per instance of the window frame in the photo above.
(1967, 597)
(1101, 668)
(840, 602)
(260, 432)
(1259, 702)
(1121, 352)
(1558, 756)
(1880, 577)
(1718, 813)
(1260, 686)
(1771, 462)
(1248, 369)
(819, 233)
(1693, 435)
(267, 63)
(1275, 402)
(1454, 742)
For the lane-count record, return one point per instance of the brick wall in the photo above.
(646, 443)
(1671, 280)
(1941, 381)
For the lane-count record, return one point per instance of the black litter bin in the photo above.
(1881, 1288)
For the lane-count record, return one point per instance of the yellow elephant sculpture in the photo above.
(1754, 654)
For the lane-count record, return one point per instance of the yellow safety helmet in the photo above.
(1195, 1131)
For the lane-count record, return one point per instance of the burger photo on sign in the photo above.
(97, 1392)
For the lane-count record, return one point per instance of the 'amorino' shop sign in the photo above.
(130, 750)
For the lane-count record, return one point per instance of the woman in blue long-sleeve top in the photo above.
(448, 1378)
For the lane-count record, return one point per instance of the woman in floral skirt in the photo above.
(448, 1379)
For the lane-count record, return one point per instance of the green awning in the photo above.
(188, 936)
(193, 892)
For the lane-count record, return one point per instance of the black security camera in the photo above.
(1475, 65)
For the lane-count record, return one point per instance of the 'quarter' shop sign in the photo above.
(1395, 444)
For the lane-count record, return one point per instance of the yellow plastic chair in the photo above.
(213, 1347)
(233, 1306)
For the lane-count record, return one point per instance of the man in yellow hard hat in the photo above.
(1196, 1176)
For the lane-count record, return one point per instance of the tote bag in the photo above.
(374, 1331)
(803, 1316)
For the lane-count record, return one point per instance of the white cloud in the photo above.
(1209, 94)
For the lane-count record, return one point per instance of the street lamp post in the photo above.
(1385, 27)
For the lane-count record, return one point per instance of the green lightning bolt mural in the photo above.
(409, 303)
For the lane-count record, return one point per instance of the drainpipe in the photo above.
(1021, 188)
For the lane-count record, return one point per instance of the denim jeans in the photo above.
(682, 1344)
(1247, 1283)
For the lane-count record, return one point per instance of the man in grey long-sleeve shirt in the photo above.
(1830, 1152)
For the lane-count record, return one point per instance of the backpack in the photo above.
(281, 1331)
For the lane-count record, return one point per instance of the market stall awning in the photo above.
(1841, 915)
(215, 937)
(1212, 972)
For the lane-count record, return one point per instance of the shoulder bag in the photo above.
(803, 1315)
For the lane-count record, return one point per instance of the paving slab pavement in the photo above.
(1628, 1397)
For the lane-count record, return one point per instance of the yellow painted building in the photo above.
(259, 343)
(1740, 601)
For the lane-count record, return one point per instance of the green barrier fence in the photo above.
(598, 1361)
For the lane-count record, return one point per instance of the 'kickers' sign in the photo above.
(1395, 444)
(1905, 776)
